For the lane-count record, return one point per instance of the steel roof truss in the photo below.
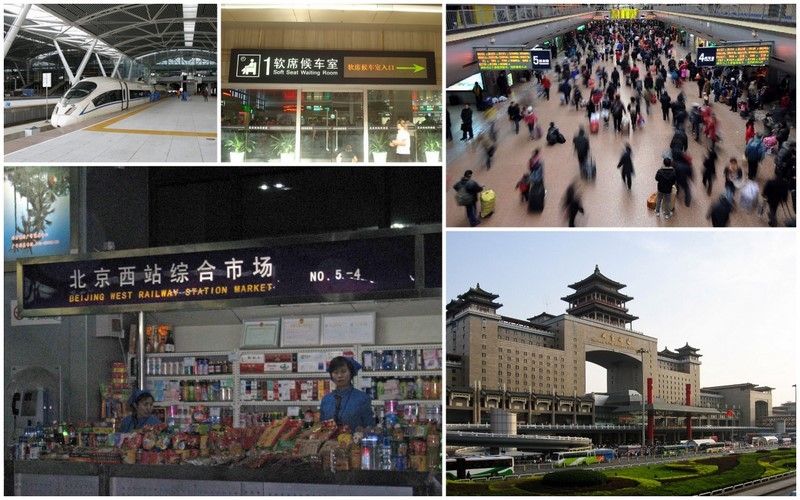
(85, 60)
(12, 32)
(64, 62)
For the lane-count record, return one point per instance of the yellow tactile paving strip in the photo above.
(105, 126)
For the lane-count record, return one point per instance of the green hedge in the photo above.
(577, 478)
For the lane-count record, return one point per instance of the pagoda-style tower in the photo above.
(476, 299)
(598, 298)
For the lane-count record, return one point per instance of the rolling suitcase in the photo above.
(594, 123)
(536, 197)
(487, 202)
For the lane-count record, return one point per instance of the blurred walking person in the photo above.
(626, 164)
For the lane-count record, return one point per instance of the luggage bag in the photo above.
(536, 197)
(487, 202)
(594, 123)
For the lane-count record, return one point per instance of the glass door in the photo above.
(332, 127)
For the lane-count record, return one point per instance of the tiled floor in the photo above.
(607, 201)
(168, 131)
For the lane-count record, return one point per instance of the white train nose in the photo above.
(63, 116)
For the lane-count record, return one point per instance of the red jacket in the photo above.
(749, 133)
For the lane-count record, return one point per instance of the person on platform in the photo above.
(776, 191)
(141, 403)
(666, 105)
(749, 130)
(572, 204)
(470, 190)
(684, 173)
(546, 84)
(466, 123)
(515, 115)
(478, 92)
(617, 110)
(720, 212)
(709, 169)
(754, 152)
(346, 405)
(666, 178)
(626, 163)
(581, 145)
(733, 178)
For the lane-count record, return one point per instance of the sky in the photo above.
(732, 294)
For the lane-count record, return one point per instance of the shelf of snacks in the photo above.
(283, 377)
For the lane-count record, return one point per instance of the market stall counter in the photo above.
(61, 478)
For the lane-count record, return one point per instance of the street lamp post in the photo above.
(642, 352)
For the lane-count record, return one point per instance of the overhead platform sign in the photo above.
(331, 67)
(540, 59)
(219, 275)
(746, 55)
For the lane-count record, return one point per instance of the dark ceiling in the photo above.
(163, 206)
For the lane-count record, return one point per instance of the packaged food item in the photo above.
(270, 435)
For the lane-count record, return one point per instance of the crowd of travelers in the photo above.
(642, 56)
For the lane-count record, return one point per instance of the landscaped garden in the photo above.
(676, 478)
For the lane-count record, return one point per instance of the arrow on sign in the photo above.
(416, 67)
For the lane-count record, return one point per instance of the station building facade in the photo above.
(535, 367)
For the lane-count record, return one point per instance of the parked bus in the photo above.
(572, 458)
(478, 467)
(629, 450)
(671, 450)
(712, 447)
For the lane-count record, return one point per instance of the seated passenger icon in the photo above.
(249, 68)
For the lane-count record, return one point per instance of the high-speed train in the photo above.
(100, 96)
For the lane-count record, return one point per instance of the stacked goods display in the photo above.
(283, 441)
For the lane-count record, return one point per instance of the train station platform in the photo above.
(167, 131)
(606, 200)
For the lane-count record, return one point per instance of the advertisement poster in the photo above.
(35, 212)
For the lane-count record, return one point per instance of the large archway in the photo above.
(623, 368)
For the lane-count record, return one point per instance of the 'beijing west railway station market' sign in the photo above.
(746, 55)
(159, 280)
(331, 67)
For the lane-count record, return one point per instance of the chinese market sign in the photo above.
(747, 55)
(149, 279)
(331, 67)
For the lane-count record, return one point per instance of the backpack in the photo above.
(463, 197)
(753, 151)
(617, 108)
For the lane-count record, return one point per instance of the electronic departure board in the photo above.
(499, 60)
(749, 55)
(746, 55)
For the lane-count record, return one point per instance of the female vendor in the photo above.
(141, 403)
(346, 404)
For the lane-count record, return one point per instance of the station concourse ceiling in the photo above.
(135, 31)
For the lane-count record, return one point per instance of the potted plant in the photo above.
(239, 144)
(378, 145)
(431, 144)
(283, 145)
